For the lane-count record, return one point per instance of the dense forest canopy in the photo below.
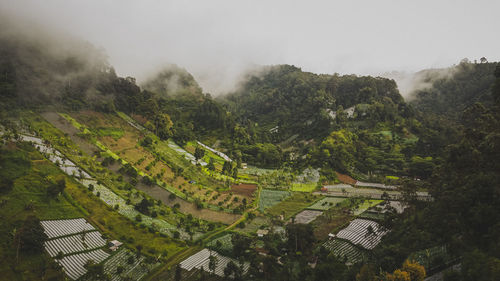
(451, 90)
(298, 101)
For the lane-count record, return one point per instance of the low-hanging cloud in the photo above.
(219, 40)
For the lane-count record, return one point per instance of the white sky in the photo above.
(217, 40)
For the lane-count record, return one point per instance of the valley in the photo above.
(290, 175)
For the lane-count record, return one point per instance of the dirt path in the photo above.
(154, 191)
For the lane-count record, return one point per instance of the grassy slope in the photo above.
(30, 187)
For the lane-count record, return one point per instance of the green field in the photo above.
(365, 205)
(115, 133)
(269, 198)
(326, 203)
(304, 187)
(292, 205)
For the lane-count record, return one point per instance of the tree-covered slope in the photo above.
(447, 92)
(304, 103)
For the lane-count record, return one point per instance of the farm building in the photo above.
(113, 245)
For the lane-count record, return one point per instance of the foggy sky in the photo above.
(217, 40)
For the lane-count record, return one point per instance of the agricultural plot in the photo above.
(269, 198)
(222, 244)
(201, 260)
(245, 190)
(130, 121)
(56, 157)
(75, 243)
(183, 152)
(362, 232)
(303, 187)
(76, 246)
(372, 216)
(156, 160)
(365, 205)
(307, 216)
(255, 224)
(112, 199)
(57, 228)
(135, 271)
(326, 203)
(74, 264)
(255, 171)
(162, 226)
(292, 205)
(218, 153)
(344, 250)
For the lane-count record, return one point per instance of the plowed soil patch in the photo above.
(244, 189)
(345, 178)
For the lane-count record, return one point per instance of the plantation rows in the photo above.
(75, 243)
(133, 271)
(74, 264)
(57, 228)
(358, 233)
(344, 250)
(201, 260)
(269, 198)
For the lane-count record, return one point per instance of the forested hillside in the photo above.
(447, 92)
(294, 101)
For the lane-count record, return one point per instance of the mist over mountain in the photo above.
(171, 81)
(41, 65)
